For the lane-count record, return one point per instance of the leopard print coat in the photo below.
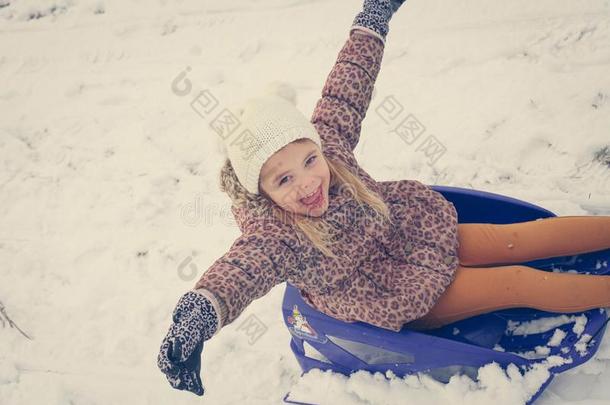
(392, 273)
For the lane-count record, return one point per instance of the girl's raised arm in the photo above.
(348, 89)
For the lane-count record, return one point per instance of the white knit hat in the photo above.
(268, 123)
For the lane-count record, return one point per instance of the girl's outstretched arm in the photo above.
(249, 270)
(255, 263)
(348, 89)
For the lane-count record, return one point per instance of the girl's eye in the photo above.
(308, 162)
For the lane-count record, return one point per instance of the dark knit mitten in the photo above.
(375, 16)
(194, 321)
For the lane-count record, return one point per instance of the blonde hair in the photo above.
(319, 231)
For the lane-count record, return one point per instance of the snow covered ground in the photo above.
(109, 200)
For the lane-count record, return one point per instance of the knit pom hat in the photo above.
(268, 123)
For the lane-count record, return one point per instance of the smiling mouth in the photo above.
(314, 199)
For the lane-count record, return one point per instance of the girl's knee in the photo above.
(483, 244)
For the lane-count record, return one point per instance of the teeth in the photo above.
(307, 196)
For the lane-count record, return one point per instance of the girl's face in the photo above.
(293, 173)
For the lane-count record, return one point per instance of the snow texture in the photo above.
(109, 200)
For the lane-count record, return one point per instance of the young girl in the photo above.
(389, 253)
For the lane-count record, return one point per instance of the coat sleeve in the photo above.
(249, 270)
(348, 90)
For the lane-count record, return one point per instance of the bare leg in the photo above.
(487, 244)
(475, 291)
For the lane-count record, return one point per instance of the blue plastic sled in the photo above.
(461, 347)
